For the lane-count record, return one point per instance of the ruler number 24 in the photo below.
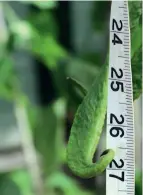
(115, 26)
(117, 85)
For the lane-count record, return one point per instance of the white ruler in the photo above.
(120, 174)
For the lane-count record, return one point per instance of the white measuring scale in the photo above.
(120, 174)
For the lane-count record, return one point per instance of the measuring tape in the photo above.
(120, 174)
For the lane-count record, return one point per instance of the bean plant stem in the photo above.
(28, 147)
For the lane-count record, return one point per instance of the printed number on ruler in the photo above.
(120, 124)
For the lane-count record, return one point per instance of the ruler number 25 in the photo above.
(117, 85)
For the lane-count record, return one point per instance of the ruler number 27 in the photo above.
(122, 177)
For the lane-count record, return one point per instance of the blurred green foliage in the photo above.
(99, 20)
(135, 10)
(42, 4)
(49, 135)
(22, 179)
(61, 184)
(138, 185)
(8, 186)
(38, 35)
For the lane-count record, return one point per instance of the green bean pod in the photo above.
(86, 131)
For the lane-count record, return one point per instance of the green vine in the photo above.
(89, 119)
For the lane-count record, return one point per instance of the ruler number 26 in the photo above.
(115, 26)
(118, 129)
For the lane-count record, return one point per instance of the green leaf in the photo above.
(137, 73)
(135, 11)
(136, 37)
